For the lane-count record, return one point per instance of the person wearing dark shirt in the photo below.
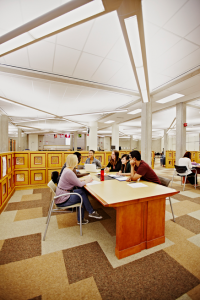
(114, 164)
(140, 169)
(126, 167)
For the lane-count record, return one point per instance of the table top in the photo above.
(115, 193)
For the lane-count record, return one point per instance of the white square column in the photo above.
(180, 130)
(3, 133)
(75, 140)
(115, 136)
(165, 141)
(146, 133)
(92, 138)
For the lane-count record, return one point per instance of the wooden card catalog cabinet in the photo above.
(4, 189)
(9, 163)
(38, 160)
(54, 160)
(49, 173)
(21, 178)
(4, 166)
(174, 154)
(9, 184)
(198, 157)
(108, 157)
(21, 161)
(83, 158)
(100, 157)
(38, 176)
(13, 161)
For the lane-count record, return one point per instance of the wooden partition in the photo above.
(32, 169)
(170, 159)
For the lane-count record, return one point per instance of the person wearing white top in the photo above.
(186, 161)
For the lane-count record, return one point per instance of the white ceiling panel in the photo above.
(185, 64)
(18, 58)
(10, 14)
(119, 52)
(160, 11)
(186, 19)
(41, 56)
(193, 89)
(106, 70)
(174, 54)
(41, 94)
(104, 34)
(75, 37)
(156, 80)
(150, 30)
(87, 65)
(164, 118)
(65, 60)
(122, 76)
(192, 116)
(185, 84)
(130, 84)
(51, 39)
(194, 36)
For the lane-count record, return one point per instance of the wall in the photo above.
(107, 143)
(156, 145)
(24, 141)
(192, 142)
(33, 142)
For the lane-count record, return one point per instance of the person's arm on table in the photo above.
(134, 176)
(98, 163)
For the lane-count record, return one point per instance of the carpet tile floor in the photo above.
(69, 266)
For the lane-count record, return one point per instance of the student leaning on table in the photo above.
(140, 169)
(126, 167)
(92, 160)
(114, 164)
(67, 182)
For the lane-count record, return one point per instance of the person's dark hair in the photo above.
(127, 159)
(78, 154)
(136, 154)
(187, 154)
(114, 161)
(92, 151)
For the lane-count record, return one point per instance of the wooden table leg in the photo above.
(139, 226)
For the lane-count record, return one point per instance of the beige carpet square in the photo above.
(42, 275)
(31, 197)
(65, 220)
(195, 293)
(177, 233)
(27, 214)
(183, 208)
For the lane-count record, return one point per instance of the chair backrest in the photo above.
(52, 187)
(180, 169)
(164, 181)
(54, 176)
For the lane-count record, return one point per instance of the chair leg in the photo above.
(172, 180)
(81, 233)
(49, 211)
(170, 201)
(49, 217)
(184, 182)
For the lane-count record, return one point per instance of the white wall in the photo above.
(192, 142)
(156, 145)
(33, 142)
(107, 143)
(24, 140)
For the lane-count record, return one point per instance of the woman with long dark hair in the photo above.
(114, 164)
(126, 167)
(186, 161)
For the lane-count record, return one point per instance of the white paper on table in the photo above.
(4, 166)
(114, 176)
(122, 178)
(137, 185)
(93, 182)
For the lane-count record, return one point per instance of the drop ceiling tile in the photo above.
(186, 19)
(41, 56)
(173, 55)
(119, 52)
(184, 85)
(104, 34)
(75, 37)
(51, 39)
(10, 15)
(65, 60)
(122, 76)
(194, 36)
(156, 80)
(160, 11)
(87, 65)
(192, 89)
(18, 58)
(184, 65)
(130, 84)
(150, 30)
(106, 70)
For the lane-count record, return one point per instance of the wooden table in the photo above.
(140, 213)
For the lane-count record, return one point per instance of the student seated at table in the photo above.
(114, 164)
(186, 161)
(140, 169)
(126, 167)
(92, 160)
(67, 182)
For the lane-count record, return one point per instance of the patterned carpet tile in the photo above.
(27, 214)
(181, 197)
(195, 240)
(31, 197)
(183, 207)
(36, 298)
(194, 294)
(1, 244)
(156, 276)
(20, 248)
(27, 205)
(189, 223)
(176, 233)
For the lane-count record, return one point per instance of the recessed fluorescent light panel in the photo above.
(170, 98)
(85, 11)
(134, 39)
(109, 121)
(136, 111)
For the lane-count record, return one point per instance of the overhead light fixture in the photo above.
(109, 122)
(134, 39)
(133, 112)
(170, 98)
(83, 12)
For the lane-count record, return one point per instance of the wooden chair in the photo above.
(165, 182)
(52, 187)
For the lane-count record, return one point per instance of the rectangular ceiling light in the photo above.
(170, 98)
(83, 12)
(134, 39)
(109, 121)
(133, 112)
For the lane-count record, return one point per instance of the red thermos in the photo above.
(102, 175)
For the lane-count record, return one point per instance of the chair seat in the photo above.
(66, 207)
